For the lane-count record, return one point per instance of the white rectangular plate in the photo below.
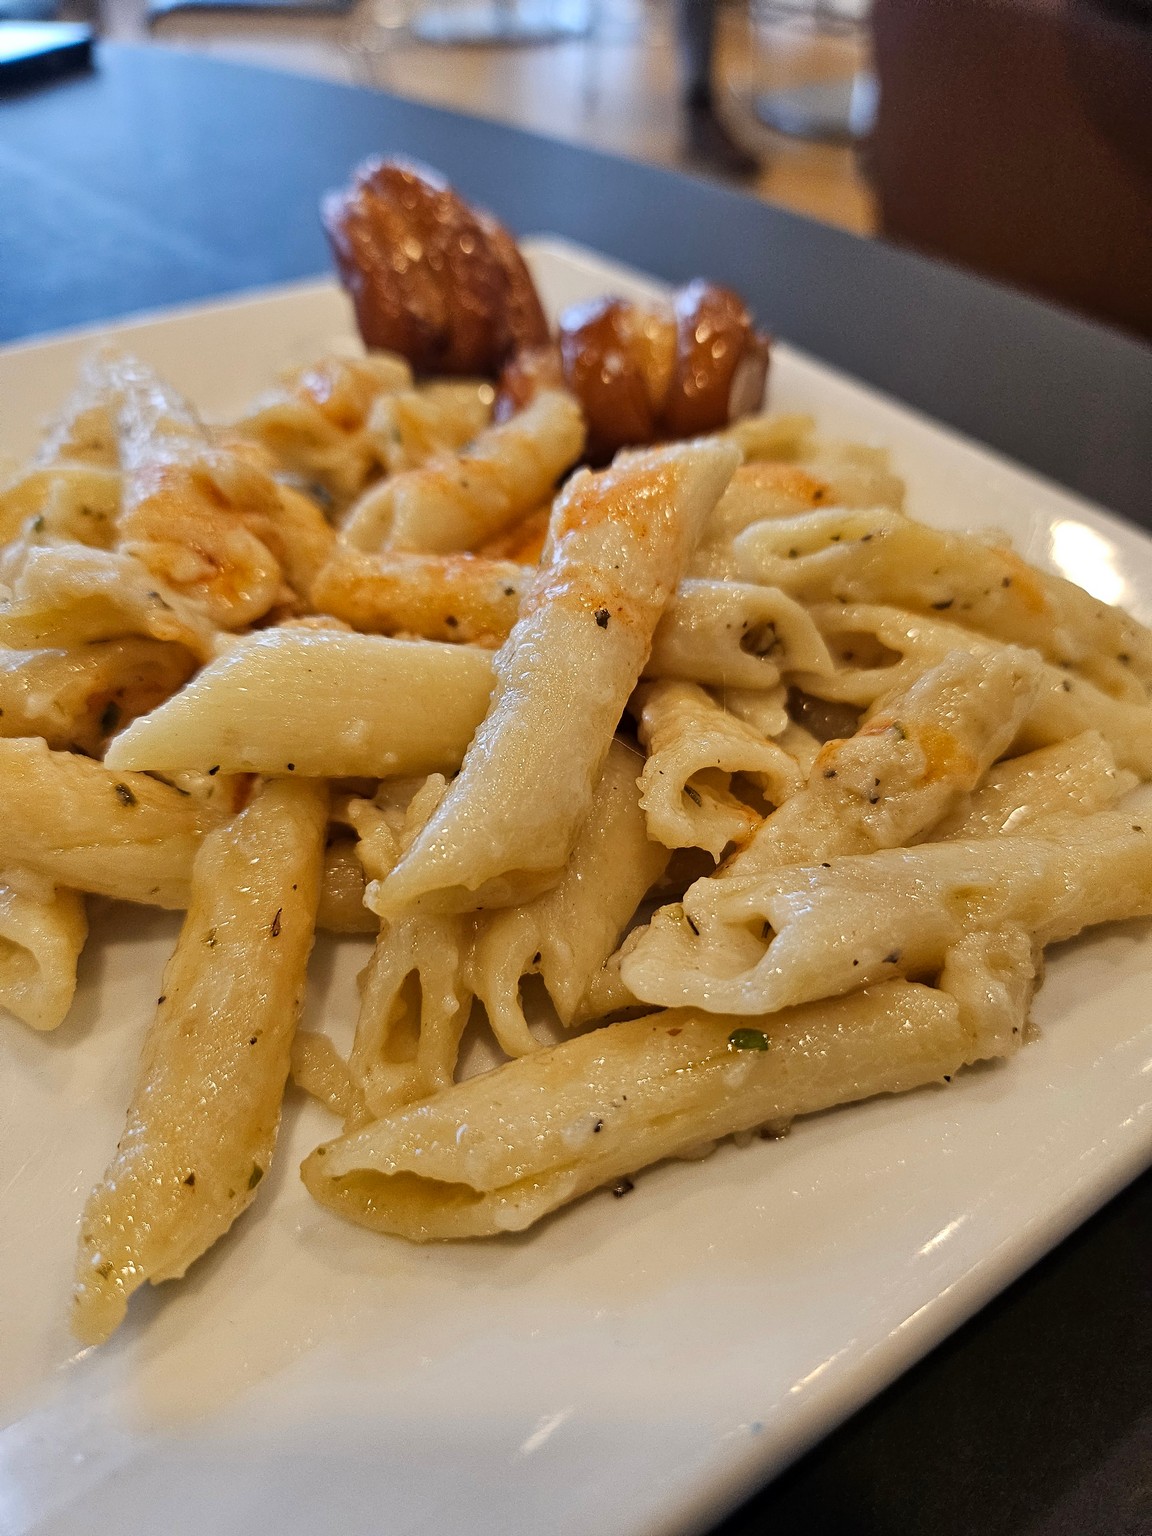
(630, 1367)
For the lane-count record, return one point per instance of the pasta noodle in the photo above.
(619, 543)
(886, 558)
(82, 825)
(310, 702)
(732, 634)
(1065, 705)
(322, 423)
(565, 935)
(458, 501)
(42, 932)
(460, 597)
(497, 1152)
(76, 698)
(203, 1120)
(696, 751)
(869, 916)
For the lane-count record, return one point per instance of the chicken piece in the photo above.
(648, 373)
(431, 278)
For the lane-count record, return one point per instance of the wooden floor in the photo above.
(618, 89)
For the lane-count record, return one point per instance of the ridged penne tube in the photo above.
(64, 595)
(208, 520)
(695, 751)
(886, 558)
(618, 545)
(495, 1153)
(316, 422)
(76, 698)
(735, 634)
(83, 825)
(459, 597)
(865, 918)
(319, 703)
(1075, 777)
(202, 1124)
(411, 426)
(460, 500)
(42, 932)
(414, 1004)
(925, 748)
(1065, 705)
(565, 935)
(414, 993)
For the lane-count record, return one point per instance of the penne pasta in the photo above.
(732, 634)
(696, 753)
(319, 703)
(42, 932)
(619, 543)
(208, 521)
(1075, 777)
(885, 558)
(65, 595)
(1065, 705)
(414, 1005)
(320, 423)
(908, 766)
(565, 935)
(342, 908)
(203, 1120)
(83, 825)
(63, 501)
(497, 1152)
(460, 597)
(75, 699)
(411, 426)
(459, 501)
(764, 709)
(861, 919)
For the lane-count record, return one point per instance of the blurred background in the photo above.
(1013, 137)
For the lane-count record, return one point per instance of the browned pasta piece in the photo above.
(209, 522)
(42, 931)
(458, 597)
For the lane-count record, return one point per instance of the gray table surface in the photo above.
(164, 178)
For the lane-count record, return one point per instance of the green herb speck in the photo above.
(748, 1040)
